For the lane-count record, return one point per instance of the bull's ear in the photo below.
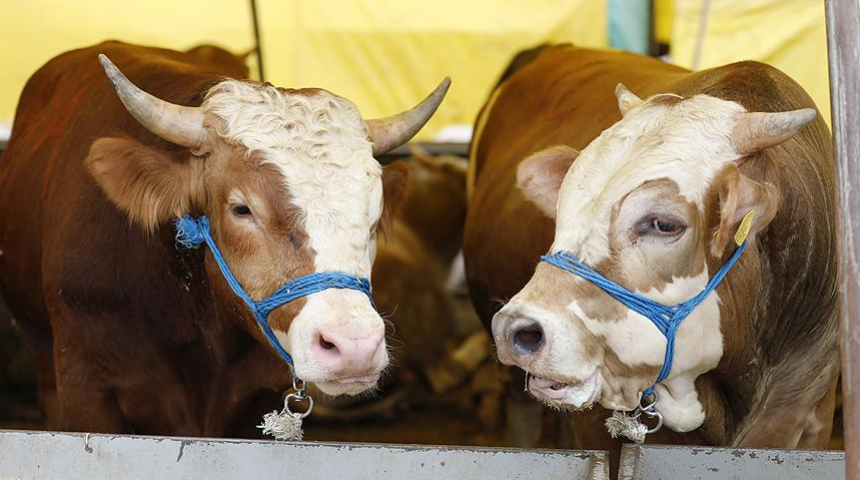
(539, 176)
(150, 185)
(395, 177)
(738, 194)
(627, 100)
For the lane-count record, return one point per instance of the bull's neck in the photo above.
(779, 334)
(218, 316)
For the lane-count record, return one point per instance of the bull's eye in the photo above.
(240, 210)
(666, 227)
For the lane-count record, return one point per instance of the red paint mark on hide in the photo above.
(42, 127)
(54, 131)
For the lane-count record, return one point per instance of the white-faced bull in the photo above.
(141, 335)
(652, 203)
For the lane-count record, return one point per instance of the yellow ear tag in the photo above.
(744, 229)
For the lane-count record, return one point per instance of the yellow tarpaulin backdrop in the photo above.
(384, 55)
(789, 34)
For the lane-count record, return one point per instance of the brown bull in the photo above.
(650, 193)
(134, 334)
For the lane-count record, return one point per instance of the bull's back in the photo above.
(53, 217)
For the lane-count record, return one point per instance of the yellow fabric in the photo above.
(664, 14)
(384, 55)
(34, 31)
(789, 34)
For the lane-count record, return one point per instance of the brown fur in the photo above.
(395, 179)
(688, 257)
(435, 204)
(151, 186)
(219, 58)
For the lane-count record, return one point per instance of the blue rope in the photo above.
(191, 233)
(666, 318)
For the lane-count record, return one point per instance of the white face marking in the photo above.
(687, 142)
(635, 340)
(688, 145)
(319, 143)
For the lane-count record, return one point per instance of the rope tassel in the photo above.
(287, 424)
(188, 232)
(283, 426)
(620, 424)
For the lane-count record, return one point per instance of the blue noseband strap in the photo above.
(666, 318)
(192, 232)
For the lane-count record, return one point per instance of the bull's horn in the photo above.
(626, 99)
(759, 130)
(174, 123)
(390, 132)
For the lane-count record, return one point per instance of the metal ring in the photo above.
(659, 417)
(651, 405)
(299, 398)
(651, 412)
(296, 381)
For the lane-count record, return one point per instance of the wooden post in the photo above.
(843, 48)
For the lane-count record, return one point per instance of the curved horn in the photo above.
(759, 130)
(626, 99)
(390, 132)
(175, 123)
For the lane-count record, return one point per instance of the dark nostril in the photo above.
(528, 339)
(326, 345)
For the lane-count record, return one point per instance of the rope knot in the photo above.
(189, 233)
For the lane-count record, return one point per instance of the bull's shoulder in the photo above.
(757, 86)
(520, 60)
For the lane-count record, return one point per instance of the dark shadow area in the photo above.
(18, 401)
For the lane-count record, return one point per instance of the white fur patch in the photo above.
(643, 146)
(319, 142)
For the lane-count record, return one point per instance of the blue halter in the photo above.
(666, 318)
(191, 233)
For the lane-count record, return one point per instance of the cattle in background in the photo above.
(443, 387)
(428, 323)
(414, 259)
(133, 334)
(219, 59)
(653, 191)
